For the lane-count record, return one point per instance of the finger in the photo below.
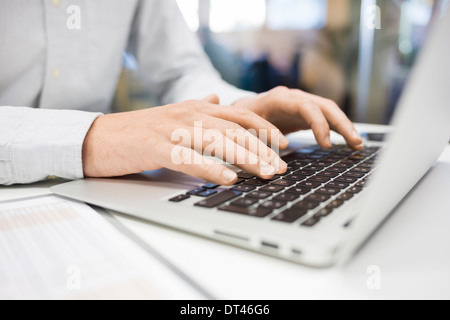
(247, 119)
(212, 98)
(194, 137)
(314, 117)
(186, 160)
(245, 139)
(213, 143)
(228, 150)
(341, 124)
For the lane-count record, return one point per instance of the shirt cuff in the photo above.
(49, 143)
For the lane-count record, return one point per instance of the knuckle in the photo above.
(241, 111)
(331, 103)
(281, 89)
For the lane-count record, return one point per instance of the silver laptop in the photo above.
(326, 205)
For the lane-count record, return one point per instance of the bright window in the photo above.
(237, 15)
(189, 9)
(296, 14)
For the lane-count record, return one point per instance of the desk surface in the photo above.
(408, 258)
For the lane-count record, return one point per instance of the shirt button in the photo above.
(56, 73)
(56, 3)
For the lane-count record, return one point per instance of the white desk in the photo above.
(411, 251)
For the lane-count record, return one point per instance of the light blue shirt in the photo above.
(67, 55)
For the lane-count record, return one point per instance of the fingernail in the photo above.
(282, 167)
(267, 169)
(284, 140)
(356, 134)
(229, 176)
(328, 140)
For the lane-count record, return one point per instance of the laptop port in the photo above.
(270, 245)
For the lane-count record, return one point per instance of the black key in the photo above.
(328, 174)
(309, 184)
(283, 183)
(290, 215)
(360, 169)
(286, 197)
(289, 158)
(328, 191)
(307, 160)
(295, 177)
(335, 204)
(344, 164)
(273, 204)
(180, 198)
(354, 174)
(305, 172)
(367, 165)
(311, 222)
(319, 179)
(355, 190)
(207, 193)
(254, 212)
(218, 199)
(315, 168)
(316, 197)
(244, 188)
(347, 163)
(336, 169)
(336, 157)
(336, 184)
(345, 196)
(298, 190)
(196, 191)
(346, 179)
(272, 188)
(211, 186)
(259, 194)
(306, 205)
(302, 163)
(257, 182)
(238, 181)
(293, 167)
(245, 175)
(322, 213)
(323, 163)
(244, 202)
(362, 183)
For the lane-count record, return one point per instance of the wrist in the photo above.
(87, 153)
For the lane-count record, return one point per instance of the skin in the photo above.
(133, 142)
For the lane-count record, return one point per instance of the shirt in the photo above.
(60, 61)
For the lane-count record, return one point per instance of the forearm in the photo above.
(172, 62)
(37, 143)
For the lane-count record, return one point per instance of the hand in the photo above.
(133, 142)
(292, 110)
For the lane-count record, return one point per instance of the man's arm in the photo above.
(37, 143)
(171, 59)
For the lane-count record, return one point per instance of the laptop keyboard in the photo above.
(317, 182)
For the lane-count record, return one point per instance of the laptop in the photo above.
(327, 204)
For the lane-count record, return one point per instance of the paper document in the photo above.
(52, 248)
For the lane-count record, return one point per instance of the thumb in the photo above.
(213, 98)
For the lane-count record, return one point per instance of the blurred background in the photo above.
(357, 53)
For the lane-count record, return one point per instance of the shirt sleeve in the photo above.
(171, 60)
(37, 143)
